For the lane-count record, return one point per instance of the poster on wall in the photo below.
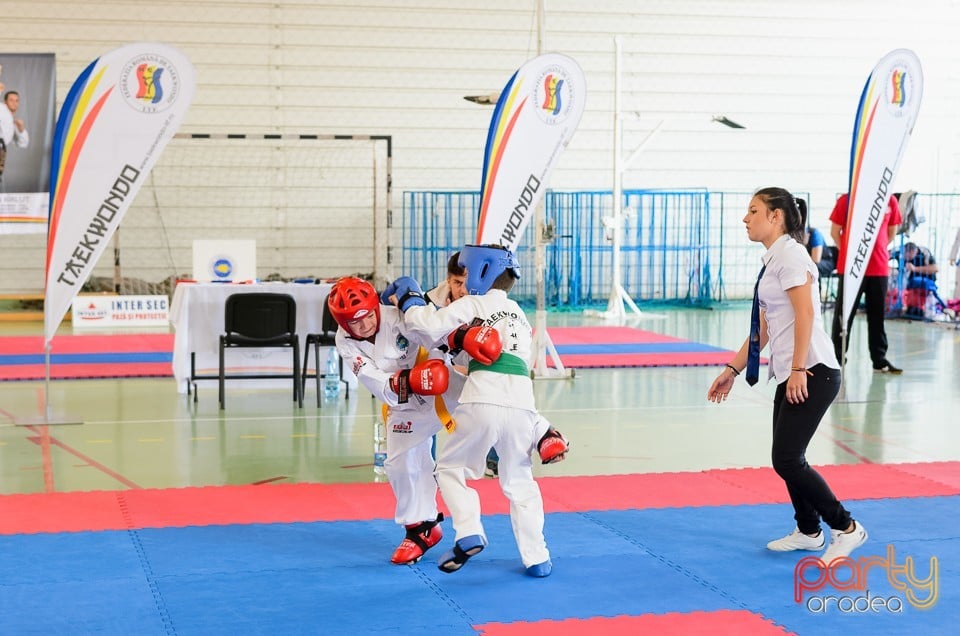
(27, 112)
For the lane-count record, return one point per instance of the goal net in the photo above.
(317, 207)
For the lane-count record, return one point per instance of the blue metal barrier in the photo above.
(685, 246)
(665, 249)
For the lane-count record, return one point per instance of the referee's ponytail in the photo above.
(780, 199)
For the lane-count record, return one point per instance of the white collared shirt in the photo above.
(8, 130)
(788, 264)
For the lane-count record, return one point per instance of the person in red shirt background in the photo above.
(874, 288)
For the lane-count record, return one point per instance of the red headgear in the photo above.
(351, 299)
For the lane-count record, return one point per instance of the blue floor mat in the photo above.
(335, 578)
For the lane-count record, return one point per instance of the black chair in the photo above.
(326, 338)
(261, 320)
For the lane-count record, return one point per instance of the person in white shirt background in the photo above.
(12, 129)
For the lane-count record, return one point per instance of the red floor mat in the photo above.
(87, 356)
(278, 503)
(718, 623)
(609, 346)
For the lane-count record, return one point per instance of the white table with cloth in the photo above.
(197, 315)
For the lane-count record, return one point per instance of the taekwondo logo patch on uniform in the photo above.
(358, 364)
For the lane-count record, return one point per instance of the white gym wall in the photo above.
(791, 71)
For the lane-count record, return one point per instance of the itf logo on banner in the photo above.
(150, 83)
(852, 579)
(899, 90)
(553, 93)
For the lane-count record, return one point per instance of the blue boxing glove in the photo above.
(388, 292)
(408, 293)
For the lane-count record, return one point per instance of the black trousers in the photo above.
(793, 428)
(874, 290)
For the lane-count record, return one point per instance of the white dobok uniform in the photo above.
(411, 426)
(496, 409)
(9, 131)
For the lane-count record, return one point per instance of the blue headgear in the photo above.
(484, 263)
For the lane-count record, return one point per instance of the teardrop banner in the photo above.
(116, 120)
(885, 118)
(536, 115)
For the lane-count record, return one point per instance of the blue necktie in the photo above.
(753, 349)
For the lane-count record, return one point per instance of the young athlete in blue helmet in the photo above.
(553, 446)
(496, 405)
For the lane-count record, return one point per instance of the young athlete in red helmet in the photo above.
(372, 338)
(496, 405)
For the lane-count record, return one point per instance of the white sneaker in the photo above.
(843, 543)
(797, 540)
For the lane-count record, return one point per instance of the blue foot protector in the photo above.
(463, 549)
(540, 570)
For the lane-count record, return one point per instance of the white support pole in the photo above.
(618, 295)
(619, 298)
(615, 305)
(541, 24)
(47, 417)
(542, 345)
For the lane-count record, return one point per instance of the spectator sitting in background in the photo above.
(920, 270)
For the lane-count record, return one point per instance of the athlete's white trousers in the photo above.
(410, 464)
(462, 456)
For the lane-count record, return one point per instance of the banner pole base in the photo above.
(47, 420)
(842, 393)
(542, 346)
(617, 308)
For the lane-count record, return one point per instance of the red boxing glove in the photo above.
(430, 377)
(483, 344)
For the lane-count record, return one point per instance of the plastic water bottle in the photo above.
(331, 381)
(930, 307)
(379, 447)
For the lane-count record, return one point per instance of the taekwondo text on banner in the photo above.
(534, 120)
(885, 118)
(117, 118)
